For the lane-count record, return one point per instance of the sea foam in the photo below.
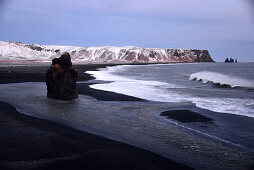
(165, 92)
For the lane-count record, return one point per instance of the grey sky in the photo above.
(224, 27)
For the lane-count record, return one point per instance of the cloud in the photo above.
(169, 10)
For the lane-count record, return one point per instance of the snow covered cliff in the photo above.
(17, 51)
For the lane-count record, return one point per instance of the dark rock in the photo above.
(61, 78)
(231, 60)
(176, 54)
(202, 56)
(186, 116)
(34, 47)
(57, 51)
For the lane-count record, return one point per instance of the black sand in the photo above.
(32, 143)
(186, 116)
(20, 74)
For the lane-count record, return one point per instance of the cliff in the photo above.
(13, 51)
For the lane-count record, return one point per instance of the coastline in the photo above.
(181, 158)
(33, 143)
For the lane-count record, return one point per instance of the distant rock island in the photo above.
(231, 60)
(17, 51)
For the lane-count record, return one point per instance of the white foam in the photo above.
(160, 91)
(138, 127)
(138, 88)
(141, 89)
(222, 79)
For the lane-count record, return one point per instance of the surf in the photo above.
(166, 92)
(222, 79)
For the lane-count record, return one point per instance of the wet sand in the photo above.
(33, 143)
(186, 116)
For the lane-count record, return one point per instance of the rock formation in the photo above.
(231, 60)
(61, 78)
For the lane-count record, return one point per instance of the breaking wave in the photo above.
(222, 79)
(158, 91)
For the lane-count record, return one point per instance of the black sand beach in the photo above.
(33, 143)
(186, 116)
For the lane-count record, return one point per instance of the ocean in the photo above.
(220, 87)
(221, 93)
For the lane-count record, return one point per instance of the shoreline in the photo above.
(33, 143)
(85, 77)
(53, 145)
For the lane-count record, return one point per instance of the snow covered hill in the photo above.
(17, 51)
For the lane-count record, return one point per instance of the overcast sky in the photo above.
(224, 27)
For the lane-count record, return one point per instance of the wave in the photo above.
(160, 92)
(85, 114)
(222, 79)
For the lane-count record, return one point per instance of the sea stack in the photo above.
(61, 78)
